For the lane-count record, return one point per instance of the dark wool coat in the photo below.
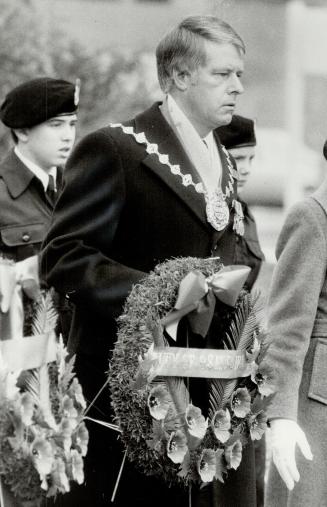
(120, 213)
(298, 354)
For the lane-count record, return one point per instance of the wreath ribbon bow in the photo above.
(197, 298)
(16, 278)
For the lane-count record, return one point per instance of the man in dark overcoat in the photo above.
(135, 194)
(41, 114)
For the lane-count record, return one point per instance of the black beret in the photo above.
(35, 101)
(325, 150)
(239, 132)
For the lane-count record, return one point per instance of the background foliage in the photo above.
(31, 46)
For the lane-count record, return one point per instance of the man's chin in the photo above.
(61, 160)
(226, 119)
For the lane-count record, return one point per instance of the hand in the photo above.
(285, 434)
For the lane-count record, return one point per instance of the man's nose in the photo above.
(68, 133)
(244, 169)
(236, 85)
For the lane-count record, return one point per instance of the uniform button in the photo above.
(26, 237)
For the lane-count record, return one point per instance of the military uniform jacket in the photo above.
(25, 211)
(247, 247)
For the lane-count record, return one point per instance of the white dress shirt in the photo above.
(42, 175)
(202, 152)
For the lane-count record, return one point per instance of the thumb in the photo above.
(304, 445)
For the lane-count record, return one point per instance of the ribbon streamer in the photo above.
(193, 362)
(197, 297)
(29, 352)
(14, 279)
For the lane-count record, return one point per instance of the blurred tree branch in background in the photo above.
(114, 85)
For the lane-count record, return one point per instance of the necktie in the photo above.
(51, 193)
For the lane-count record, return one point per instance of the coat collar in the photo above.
(18, 177)
(320, 195)
(15, 174)
(157, 130)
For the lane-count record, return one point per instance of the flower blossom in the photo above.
(43, 458)
(59, 477)
(221, 424)
(241, 401)
(177, 446)
(77, 466)
(258, 425)
(196, 423)
(158, 402)
(81, 438)
(233, 454)
(264, 380)
(68, 407)
(207, 465)
(75, 390)
(27, 408)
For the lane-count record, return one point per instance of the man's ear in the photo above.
(21, 134)
(181, 79)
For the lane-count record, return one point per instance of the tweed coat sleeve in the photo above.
(75, 257)
(294, 296)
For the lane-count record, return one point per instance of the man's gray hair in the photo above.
(183, 47)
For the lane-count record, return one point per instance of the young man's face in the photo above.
(211, 90)
(243, 156)
(50, 143)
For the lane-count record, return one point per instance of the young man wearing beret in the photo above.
(41, 115)
(239, 139)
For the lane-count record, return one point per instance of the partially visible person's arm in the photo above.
(292, 306)
(75, 257)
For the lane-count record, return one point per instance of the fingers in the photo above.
(286, 434)
(304, 446)
(284, 472)
(285, 463)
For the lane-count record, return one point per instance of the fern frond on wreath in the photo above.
(45, 319)
(240, 336)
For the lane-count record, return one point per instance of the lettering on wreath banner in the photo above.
(205, 363)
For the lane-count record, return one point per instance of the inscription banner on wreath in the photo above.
(193, 362)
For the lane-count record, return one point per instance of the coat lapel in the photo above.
(158, 131)
(15, 174)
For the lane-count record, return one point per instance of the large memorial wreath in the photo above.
(164, 433)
